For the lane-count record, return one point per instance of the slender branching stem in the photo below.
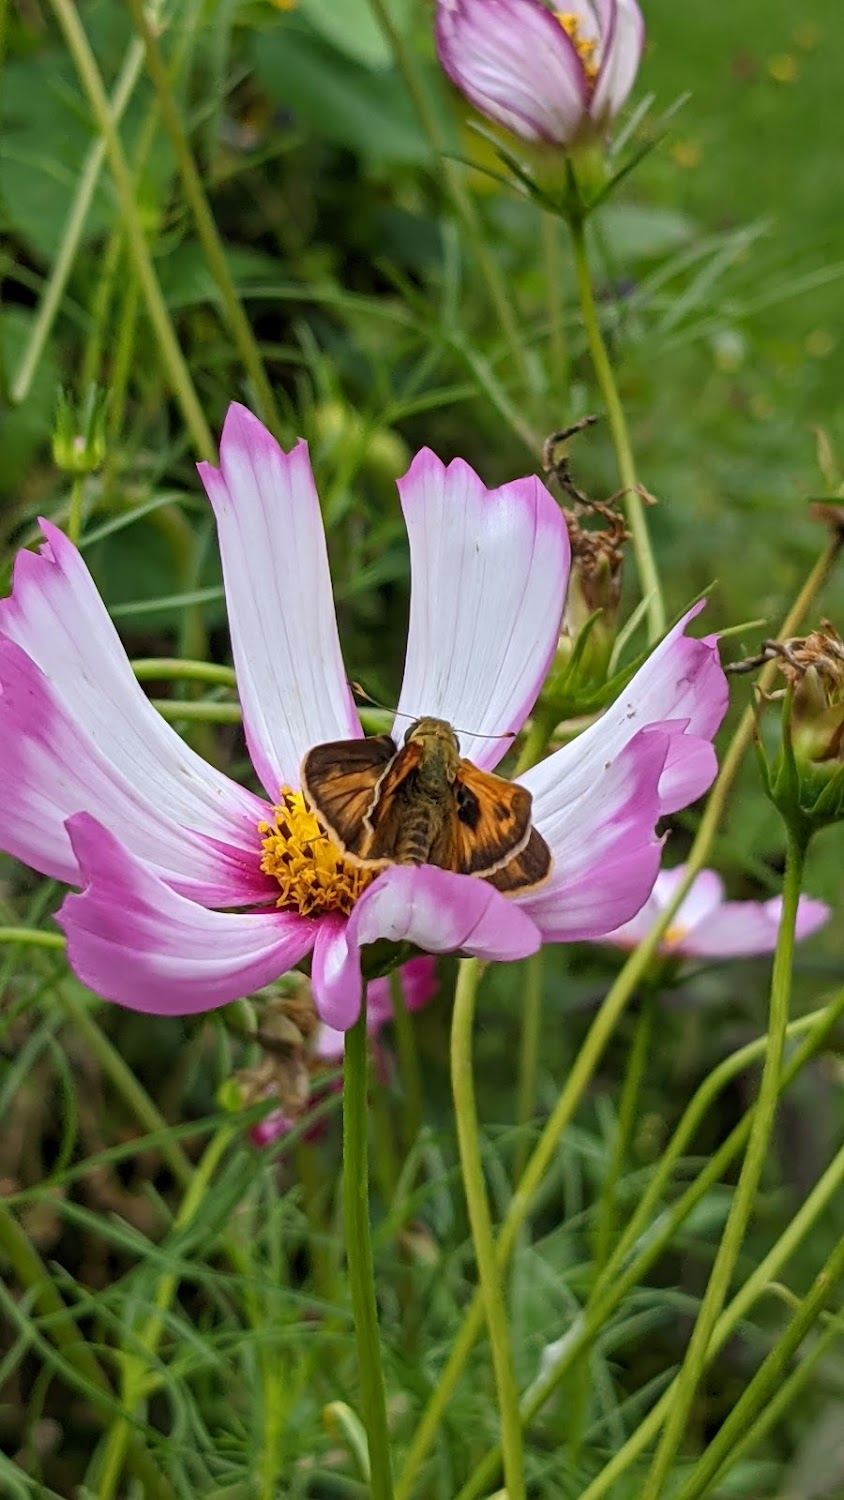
(471, 1165)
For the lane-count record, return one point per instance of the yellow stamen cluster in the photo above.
(586, 49)
(673, 935)
(313, 875)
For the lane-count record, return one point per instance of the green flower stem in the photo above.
(206, 227)
(136, 1372)
(628, 1106)
(74, 511)
(35, 1278)
(634, 507)
(471, 1165)
(408, 1061)
(758, 1283)
(621, 1274)
(74, 228)
(174, 668)
(767, 1381)
(557, 354)
(33, 936)
(200, 712)
(744, 1198)
(461, 199)
(628, 980)
(101, 305)
(780, 1395)
(174, 362)
(359, 1255)
(121, 362)
(529, 1054)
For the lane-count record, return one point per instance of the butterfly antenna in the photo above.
(360, 692)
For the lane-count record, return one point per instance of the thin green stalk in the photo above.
(408, 1061)
(621, 1275)
(33, 936)
(101, 309)
(73, 230)
(744, 1198)
(634, 507)
(122, 359)
(531, 1017)
(557, 357)
(136, 1372)
(823, 1193)
(461, 199)
(779, 1399)
(471, 1166)
(35, 1278)
(627, 981)
(174, 668)
(174, 362)
(767, 1381)
(74, 512)
(628, 1108)
(359, 1256)
(206, 227)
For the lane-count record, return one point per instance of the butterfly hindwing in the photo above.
(525, 871)
(340, 780)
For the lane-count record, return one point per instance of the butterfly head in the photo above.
(439, 749)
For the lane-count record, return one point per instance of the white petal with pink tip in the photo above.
(290, 673)
(488, 572)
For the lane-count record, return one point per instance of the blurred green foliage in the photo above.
(721, 277)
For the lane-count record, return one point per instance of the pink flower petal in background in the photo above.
(707, 926)
(489, 571)
(517, 63)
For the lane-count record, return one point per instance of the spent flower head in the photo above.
(195, 891)
(805, 778)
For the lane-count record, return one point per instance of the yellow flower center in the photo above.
(313, 875)
(586, 50)
(674, 935)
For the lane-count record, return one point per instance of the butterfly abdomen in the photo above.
(418, 831)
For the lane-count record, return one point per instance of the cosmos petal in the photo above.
(606, 853)
(134, 940)
(744, 929)
(488, 571)
(516, 64)
(430, 908)
(623, 39)
(290, 673)
(51, 767)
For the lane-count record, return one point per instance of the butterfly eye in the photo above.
(407, 733)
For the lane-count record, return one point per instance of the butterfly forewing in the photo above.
(492, 821)
(340, 781)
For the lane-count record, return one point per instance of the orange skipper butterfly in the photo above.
(423, 805)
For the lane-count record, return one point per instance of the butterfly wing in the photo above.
(340, 781)
(387, 816)
(488, 823)
(527, 870)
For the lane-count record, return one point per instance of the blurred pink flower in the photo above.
(418, 982)
(707, 926)
(103, 794)
(553, 76)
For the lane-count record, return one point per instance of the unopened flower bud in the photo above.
(79, 444)
(806, 780)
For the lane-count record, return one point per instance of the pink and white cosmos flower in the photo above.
(705, 925)
(196, 891)
(546, 75)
